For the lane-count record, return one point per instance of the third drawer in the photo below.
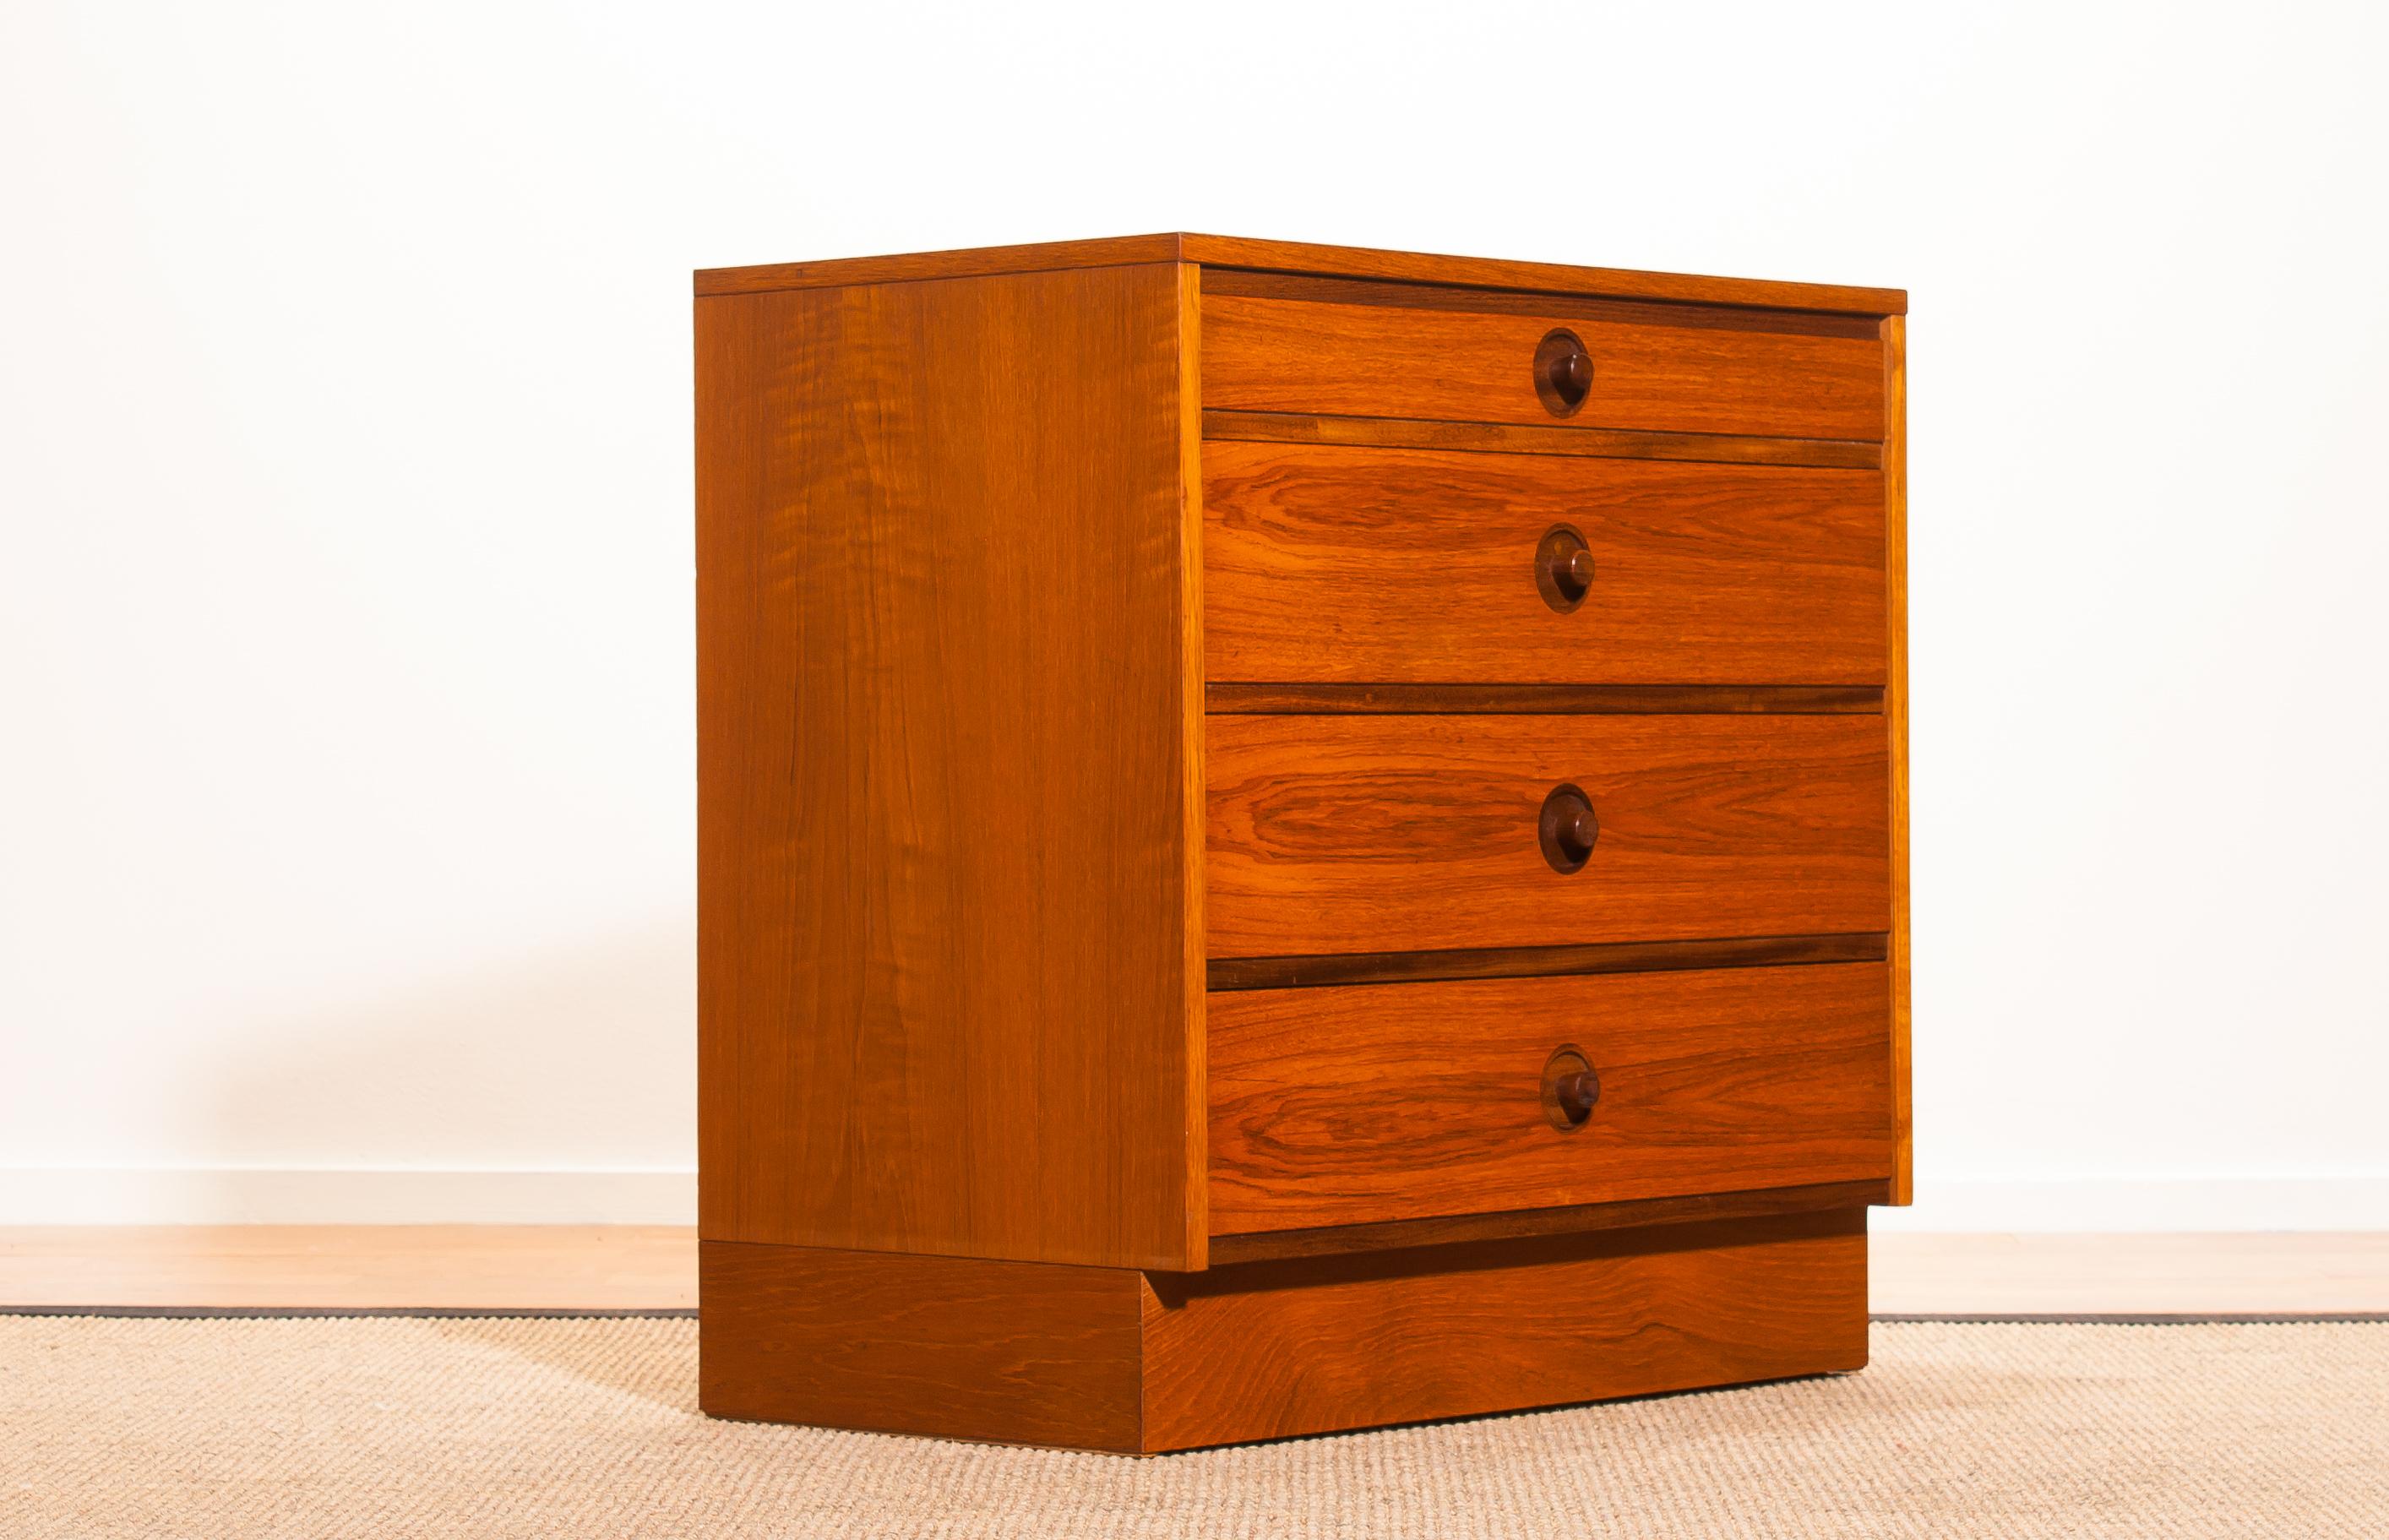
(1395, 834)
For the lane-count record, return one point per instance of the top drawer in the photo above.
(1724, 375)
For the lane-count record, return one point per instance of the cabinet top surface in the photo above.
(1337, 262)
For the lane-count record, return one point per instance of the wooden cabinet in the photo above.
(1290, 837)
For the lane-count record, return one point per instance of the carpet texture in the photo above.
(589, 1428)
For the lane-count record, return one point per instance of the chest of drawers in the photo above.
(1290, 837)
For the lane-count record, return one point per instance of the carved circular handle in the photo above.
(1568, 828)
(1562, 568)
(1563, 373)
(1571, 1089)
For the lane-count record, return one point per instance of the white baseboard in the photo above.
(182, 1195)
(185, 1195)
(2119, 1205)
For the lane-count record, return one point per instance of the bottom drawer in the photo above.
(1381, 1102)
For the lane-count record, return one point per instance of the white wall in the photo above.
(345, 636)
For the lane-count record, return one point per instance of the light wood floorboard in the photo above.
(2072, 1275)
(654, 1267)
(353, 1266)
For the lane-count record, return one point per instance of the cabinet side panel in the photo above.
(943, 875)
(1894, 710)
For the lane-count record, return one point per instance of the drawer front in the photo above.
(1380, 361)
(1383, 1102)
(1353, 833)
(1344, 565)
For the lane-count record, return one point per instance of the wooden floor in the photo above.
(2129, 1274)
(654, 1267)
(353, 1266)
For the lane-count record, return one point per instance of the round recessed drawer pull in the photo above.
(1568, 828)
(1562, 568)
(1563, 373)
(1571, 1089)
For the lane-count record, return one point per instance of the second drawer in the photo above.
(1347, 834)
(1352, 1106)
(1336, 564)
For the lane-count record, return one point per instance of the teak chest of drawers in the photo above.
(1290, 837)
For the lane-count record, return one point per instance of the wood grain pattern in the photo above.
(1297, 428)
(1894, 488)
(1399, 833)
(1420, 566)
(1535, 700)
(1399, 1234)
(946, 911)
(1239, 282)
(1275, 1349)
(960, 1347)
(1371, 361)
(1612, 957)
(1418, 1101)
(1302, 257)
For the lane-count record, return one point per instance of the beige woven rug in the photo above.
(589, 1428)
